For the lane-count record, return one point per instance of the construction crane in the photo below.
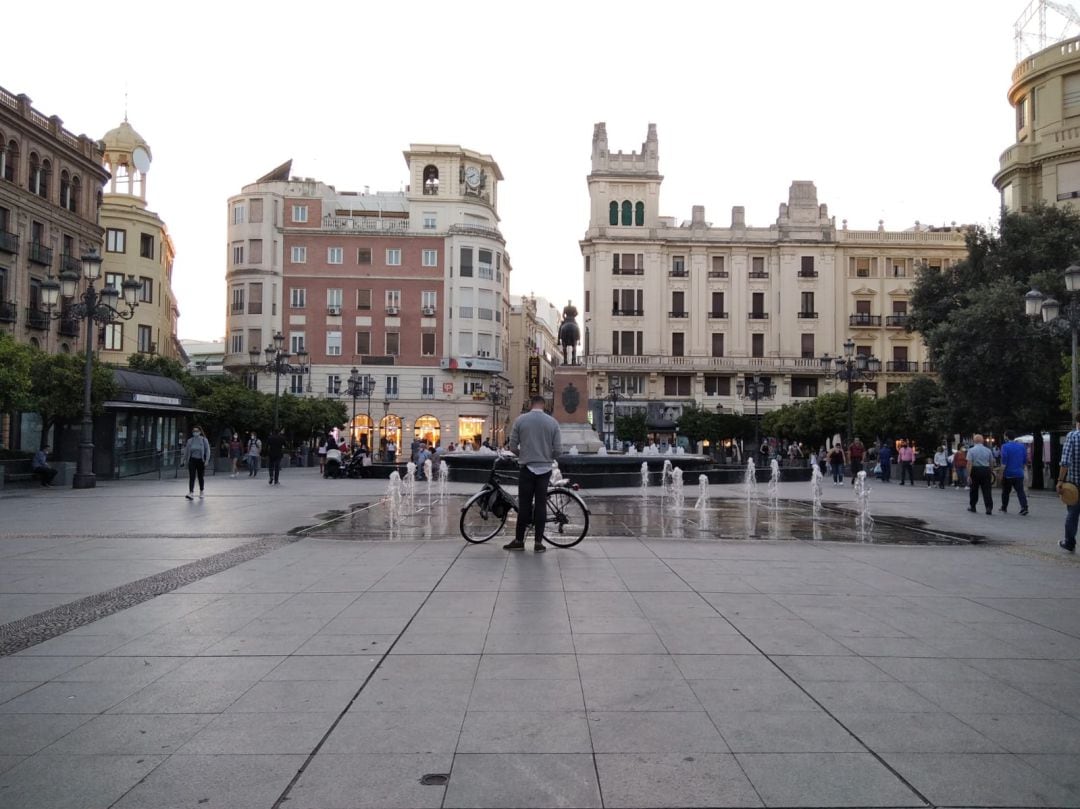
(1031, 28)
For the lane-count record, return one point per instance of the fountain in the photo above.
(644, 482)
(864, 523)
(750, 481)
(815, 489)
(677, 495)
(602, 451)
(556, 473)
(427, 477)
(665, 478)
(394, 499)
(444, 476)
(774, 483)
(702, 501)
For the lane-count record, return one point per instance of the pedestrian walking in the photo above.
(236, 449)
(981, 466)
(391, 451)
(1013, 461)
(960, 466)
(941, 466)
(275, 451)
(536, 440)
(885, 461)
(1069, 472)
(836, 461)
(254, 455)
(856, 450)
(907, 462)
(322, 456)
(929, 472)
(195, 454)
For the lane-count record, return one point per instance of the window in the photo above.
(465, 264)
(239, 213)
(113, 337)
(807, 346)
(146, 245)
(862, 267)
(428, 301)
(431, 180)
(899, 307)
(256, 211)
(333, 298)
(393, 343)
(363, 299)
(486, 308)
(613, 213)
(255, 296)
(429, 258)
(862, 307)
(587, 310)
(677, 385)
(757, 267)
(807, 305)
(393, 257)
(297, 342)
(757, 345)
(803, 387)
(757, 306)
(298, 255)
(255, 337)
(429, 220)
(483, 265)
(333, 344)
(717, 344)
(678, 304)
(678, 266)
(717, 308)
(335, 255)
(238, 253)
(363, 342)
(427, 386)
(237, 307)
(718, 270)
(115, 241)
(717, 385)
(465, 303)
(296, 383)
(333, 384)
(299, 213)
(363, 255)
(114, 280)
(236, 342)
(863, 351)
(677, 343)
(146, 290)
(255, 251)
(627, 213)
(627, 343)
(639, 214)
(465, 343)
(145, 339)
(297, 298)
(393, 299)
(427, 344)
(628, 302)
(10, 157)
(392, 387)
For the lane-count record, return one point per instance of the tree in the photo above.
(697, 424)
(631, 427)
(15, 363)
(156, 364)
(56, 388)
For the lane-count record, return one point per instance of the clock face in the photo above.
(472, 176)
(141, 158)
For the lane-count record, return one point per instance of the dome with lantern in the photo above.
(127, 157)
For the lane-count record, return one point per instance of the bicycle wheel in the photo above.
(567, 520)
(478, 524)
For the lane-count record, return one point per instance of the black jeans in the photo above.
(195, 469)
(532, 503)
(856, 468)
(275, 469)
(907, 469)
(980, 482)
(45, 474)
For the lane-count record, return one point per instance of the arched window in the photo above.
(11, 161)
(45, 174)
(431, 180)
(613, 213)
(361, 430)
(427, 428)
(34, 178)
(639, 214)
(75, 196)
(65, 189)
(627, 213)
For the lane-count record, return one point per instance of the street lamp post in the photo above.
(613, 395)
(94, 306)
(499, 397)
(359, 386)
(277, 363)
(1061, 318)
(851, 369)
(757, 389)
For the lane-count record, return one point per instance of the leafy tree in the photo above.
(697, 424)
(156, 364)
(631, 427)
(15, 364)
(56, 388)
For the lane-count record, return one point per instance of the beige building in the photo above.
(1044, 163)
(534, 351)
(137, 244)
(681, 312)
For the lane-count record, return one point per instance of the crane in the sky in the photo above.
(1034, 31)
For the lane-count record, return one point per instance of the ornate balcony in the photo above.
(628, 312)
(9, 242)
(808, 315)
(679, 274)
(897, 321)
(759, 273)
(68, 327)
(757, 315)
(628, 271)
(719, 274)
(678, 314)
(71, 264)
(8, 311)
(37, 318)
(808, 273)
(863, 319)
(716, 315)
(902, 366)
(40, 254)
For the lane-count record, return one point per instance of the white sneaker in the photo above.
(189, 497)
(200, 494)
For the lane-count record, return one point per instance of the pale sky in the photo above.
(897, 110)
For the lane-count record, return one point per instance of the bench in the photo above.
(16, 471)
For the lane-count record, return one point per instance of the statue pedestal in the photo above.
(570, 409)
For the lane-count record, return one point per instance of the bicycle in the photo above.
(484, 514)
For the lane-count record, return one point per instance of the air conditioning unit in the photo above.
(391, 310)
(333, 310)
(427, 311)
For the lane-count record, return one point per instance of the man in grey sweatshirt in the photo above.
(536, 440)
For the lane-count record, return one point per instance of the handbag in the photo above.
(877, 469)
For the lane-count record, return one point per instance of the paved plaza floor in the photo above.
(157, 652)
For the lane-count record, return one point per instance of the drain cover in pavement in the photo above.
(434, 779)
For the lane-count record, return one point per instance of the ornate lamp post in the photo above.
(851, 369)
(277, 363)
(1061, 318)
(499, 397)
(613, 395)
(101, 307)
(359, 386)
(757, 389)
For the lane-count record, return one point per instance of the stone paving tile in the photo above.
(329, 644)
(771, 694)
(526, 695)
(296, 696)
(981, 697)
(979, 780)
(737, 668)
(870, 697)
(654, 732)
(404, 695)
(279, 732)
(19, 668)
(73, 782)
(505, 781)
(1064, 696)
(784, 732)
(70, 645)
(824, 779)
(183, 697)
(77, 698)
(674, 780)
(917, 733)
(525, 732)
(471, 643)
(1061, 769)
(127, 670)
(10, 690)
(262, 645)
(402, 731)
(924, 669)
(223, 669)
(1033, 734)
(214, 782)
(827, 668)
(590, 643)
(640, 695)
(7, 762)
(348, 668)
(26, 734)
(369, 782)
(598, 669)
(529, 643)
(119, 734)
(1026, 672)
(527, 667)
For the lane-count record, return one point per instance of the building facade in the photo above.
(534, 350)
(680, 313)
(137, 244)
(409, 288)
(50, 191)
(1043, 165)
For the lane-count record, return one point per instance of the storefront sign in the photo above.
(447, 387)
(148, 399)
(534, 376)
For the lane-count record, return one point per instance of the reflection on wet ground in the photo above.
(655, 518)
